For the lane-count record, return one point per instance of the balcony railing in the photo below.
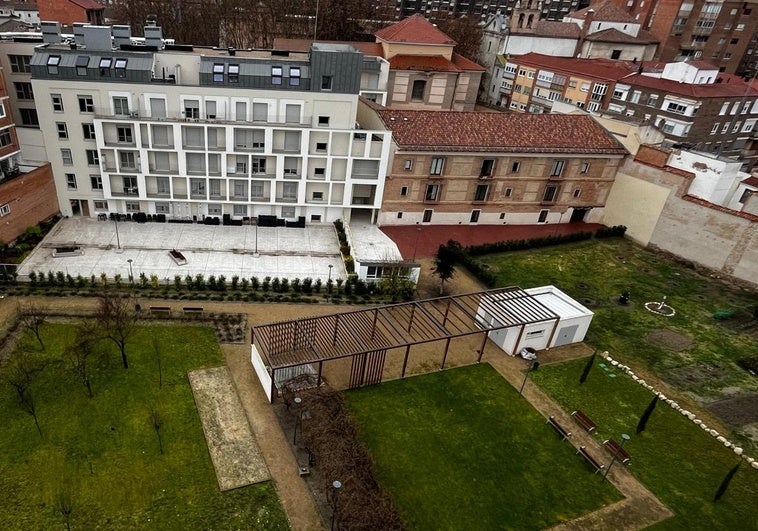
(142, 115)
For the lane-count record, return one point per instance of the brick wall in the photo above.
(31, 198)
(62, 11)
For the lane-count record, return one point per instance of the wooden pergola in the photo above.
(369, 333)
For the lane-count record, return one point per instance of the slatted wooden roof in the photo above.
(339, 335)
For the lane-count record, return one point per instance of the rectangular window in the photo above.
(326, 82)
(417, 91)
(82, 62)
(120, 66)
(481, 191)
(403, 190)
(715, 128)
(5, 209)
(233, 73)
(508, 192)
(125, 135)
(652, 100)
(29, 117)
(68, 159)
(399, 215)
(240, 210)
(427, 216)
(318, 196)
(725, 129)
(192, 109)
(260, 112)
(543, 216)
(676, 108)
(101, 206)
(276, 75)
(321, 146)
(557, 168)
(515, 167)
(163, 185)
(88, 131)
(488, 166)
(52, 64)
(218, 73)
(71, 181)
(292, 114)
(550, 195)
(436, 166)
(86, 104)
(585, 168)
(62, 130)
(577, 192)
(319, 173)
(162, 208)
(294, 76)
(132, 206)
(432, 192)
(289, 190)
(24, 91)
(736, 127)
(5, 138)
(105, 63)
(256, 189)
(57, 102)
(20, 63)
(474, 216)
(121, 106)
(323, 121)
(96, 182)
(93, 158)
(408, 165)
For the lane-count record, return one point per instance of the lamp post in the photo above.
(533, 367)
(256, 239)
(330, 273)
(131, 273)
(118, 241)
(624, 438)
(337, 485)
(297, 401)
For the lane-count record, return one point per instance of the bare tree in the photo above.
(64, 505)
(465, 31)
(21, 374)
(81, 349)
(158, 360)
(117, 321)
(157, 421)
(32, 318)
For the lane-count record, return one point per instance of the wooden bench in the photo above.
(584, 421)
(193, 310)
(558, 428)
(160, 310)
(591, 460)
(615, 448)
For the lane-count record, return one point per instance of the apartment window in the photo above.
(240, 210)
(652, 100)
(162, 208)
(319, 173)
(736, 127)
(57, 102)
(668, 128)
(294, 76)
(417, 93)
(120, 66)
(399, 215)
(5, 138)
(292, 114)
(551, 193)
(214, 187)
(256, 189)
(557, 168)
(52, 64)
(436, 166)
(289, 190)
(619, 95)
(432, 192)
(474, 216)
(508, 192)
(20, 63)
(427, 216)
(258, 165)
(615, 54)
(725, 129)
(86, 104)
(29, 117)
(515, 167)
(132, 206)
(323, 121)
(233, 73)
(521, 72)
(403, 191)
(577, 192)
(88, 131)
(240, 189)
(727, 55)
(101, 206)
(326, 82)
(260, 112)
(24, 91)
(636, 96)
(93, 158)
(71, 181)
(96, 182)
(585, 87)
(197, 187)
(715, 128)
(749, 125)
(68, 159)
(488, 166)
(5, 209)
(734, 41)
(481, 191)
(543, 216)
(121, 106)
(585, 168)
(276, 75)
(82, 62)
(739, 27)
(192, 109)
(124, 135)
(318, 196)
(62, 130)
(105, 65)
(408, 164)
(218, 72)
(321, 146)
(163, 185)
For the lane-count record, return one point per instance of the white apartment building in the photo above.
(191, 133)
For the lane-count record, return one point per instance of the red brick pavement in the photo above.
(423, 240)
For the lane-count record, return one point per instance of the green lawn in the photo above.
(103, 452)
(460, 449)
(674, 458)
(596, 272)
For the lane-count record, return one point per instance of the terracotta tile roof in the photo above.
(88, 4)
(725, 210)
(304, 45)
(554, 28)
(732, 87)
(414, 29)
(498, 132)
(466, 64)
(600, 68)
(605, 11)
(614, 35)
(424, 63)
(751, 181)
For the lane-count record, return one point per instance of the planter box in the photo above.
(177, 257)
(60, 252)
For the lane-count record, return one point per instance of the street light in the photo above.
(533, 367)
(624, 438)
(330, 273)
(118, 241)
(336, 486)
(255, 254)
(298, 400)
(131, 273)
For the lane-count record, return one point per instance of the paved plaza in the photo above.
(209, 250)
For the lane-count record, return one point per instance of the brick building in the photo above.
(69, 11)
(494, 168)
(549, 9)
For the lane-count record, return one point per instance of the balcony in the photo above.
(288, 199)
(125, 192)
(364, 201)
(198, 194)
(161, 170)
(159, 195)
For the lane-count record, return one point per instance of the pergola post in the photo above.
(373, 325)
(410, 321)
(336, 328)
(481, 349)
(320, 368)
(273, 385)
(405, 362)
(444, 356)
(447, 309)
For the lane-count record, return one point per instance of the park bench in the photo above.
(177, 257)
(193, 310)
(160, 310)
(591, 460)
(615, 448)
(558, 428)
(584, 421)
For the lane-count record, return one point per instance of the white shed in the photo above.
(546, 318)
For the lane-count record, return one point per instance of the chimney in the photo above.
(585, 30)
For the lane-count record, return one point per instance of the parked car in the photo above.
(528, 353)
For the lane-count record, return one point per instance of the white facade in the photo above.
(716, 178)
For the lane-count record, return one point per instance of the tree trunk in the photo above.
(123, 356)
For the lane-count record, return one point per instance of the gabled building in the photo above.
(67, 12)
(494, 168)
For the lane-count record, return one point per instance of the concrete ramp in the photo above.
(235, 454)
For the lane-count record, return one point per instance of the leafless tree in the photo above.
(32, 318)
(117, 321)
(80, 351)
(64, 505)
(157, 422)
(158, 360)
(22, 371)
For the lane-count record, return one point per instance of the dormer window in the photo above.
(81, 65)
(120, 66)
(234, 73)
(105, 62)
(276, 75)
(294, 76)
(218, 73)
(52, 64)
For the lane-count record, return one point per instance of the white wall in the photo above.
(260, 369)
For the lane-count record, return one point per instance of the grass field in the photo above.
(102, 453)
(674, 458)
(460, 449)
(596, 272)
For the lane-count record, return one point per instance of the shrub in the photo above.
(349, 264)
(285, 285)
(318, 285)
(245, 284)
(188, 282)
(33, 278)
(154, 281)
(199, 282)
(177, 282)
(308, 285)
(255, 283)
(221, 283)
(266, 284)
(143, 280)
(296, 287)
(212, 282)
(276, 285)
(235, 282)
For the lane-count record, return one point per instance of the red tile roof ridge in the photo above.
(464, 63)
(600, 67)
(416, 30)
(750, 181)
(725, 210)
(88, 4)
(710, 90)
(615, 35)
(423, 63)
(606, 11)
(553, 28)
